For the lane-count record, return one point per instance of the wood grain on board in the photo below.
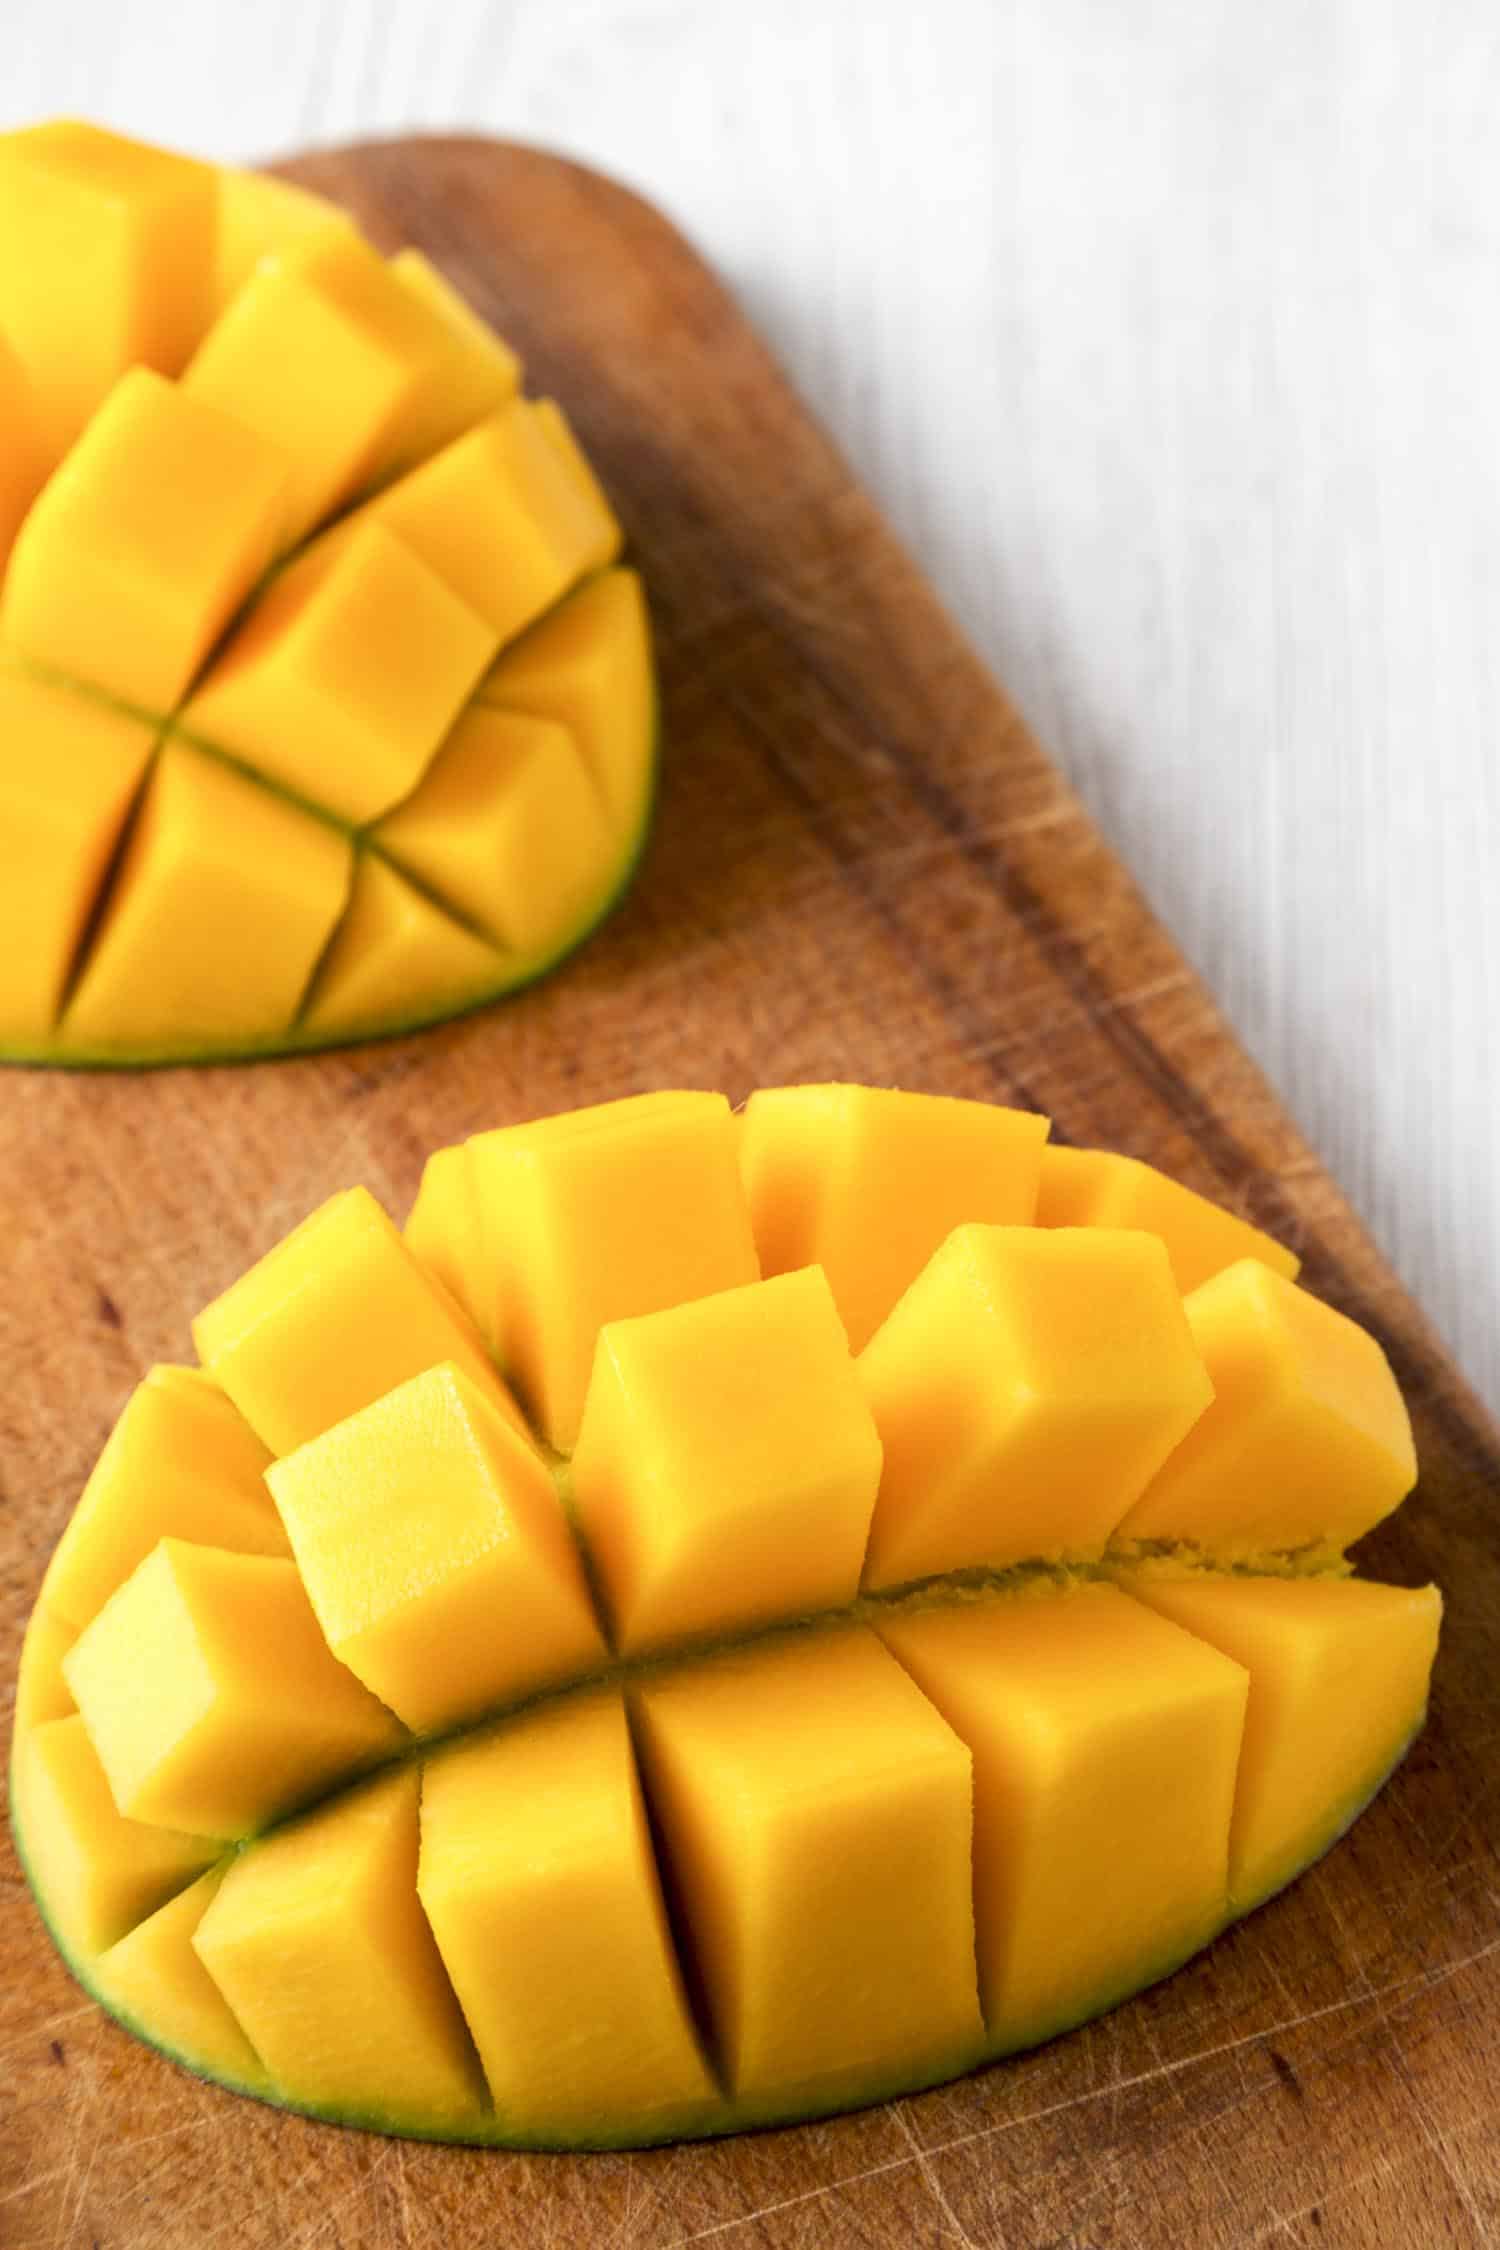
(863, 867)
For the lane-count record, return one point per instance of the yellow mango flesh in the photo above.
(99, 1872)
(22, 464)
(346, 676)
(143, 544)
(587, 667)
(506, 826)
(415, 1524)
(501, 516)
(1092, 1858)
(1026, 1388)
(93, 225)
(539, 1879)
(180, 1463)
(702, 1816)
(626, 1208)
(808, 1795)
(211, 1696)
(329, 1321)
(202, 373)
(727, 1463)
(258, 218)
(818, 1159)
(224, 900)
(320, 1947)
(69, 774)
(1307, 1439)
(1338, 1687)
(154, 1980)
(1093, 1187)
(394, 956)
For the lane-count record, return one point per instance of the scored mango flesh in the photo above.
(533, 1683)
(326, 704)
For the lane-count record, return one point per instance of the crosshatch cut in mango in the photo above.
(535, 1684)
(275, 505)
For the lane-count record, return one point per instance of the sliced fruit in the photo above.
(248, 1713)
(588, 667)
(321, 1925)
(224, 900)
(345, 676)
(818, 1160)
(1092, 1187)
(157, 1984)
(1307, 1439)
(501, 515)
(106, 262)
(418, 1522)
(726, 1467)
(143, 544)
(1091, 1857)
(22, 463)
(396, 953)
(98, 1872)
(506, 825)
(1026, 1389)
(807, 1796)
(277, 500)
(330, 1320)
(180, 1463)
(597, 1215)
(759, 1729)
(258, 218)
(1338, 1688)
(69, 773)
(538, 1877)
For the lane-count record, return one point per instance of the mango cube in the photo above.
(22, 463)
(70, 770)
(246, 1714)
(507, 827)
(1026, 1389)
(99, 1872)
(727, 1464)
(597, 1215)
(223, 901)
(144, 543)
(105, 263)
(538, 1877)
(321, 1926)
(335, 1316)
(153, 1978)
(807, 1795)
(818, 1160)
(1338, 1686)
(396, 958)
(345, 676)
(1308, 1439)
(444, 1235)
(179, 1463)
(1098, 1862)
(588, 667)
(1093, 1187)
(42, 1693)
(435, 1550)
(500, 515)
(482, 371)
(360, 366)
(260, 218)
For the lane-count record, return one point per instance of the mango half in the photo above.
(326, 704)
(533, 1683)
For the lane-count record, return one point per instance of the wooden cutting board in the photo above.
(864, 867)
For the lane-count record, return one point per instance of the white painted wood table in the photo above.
(1169, 337)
